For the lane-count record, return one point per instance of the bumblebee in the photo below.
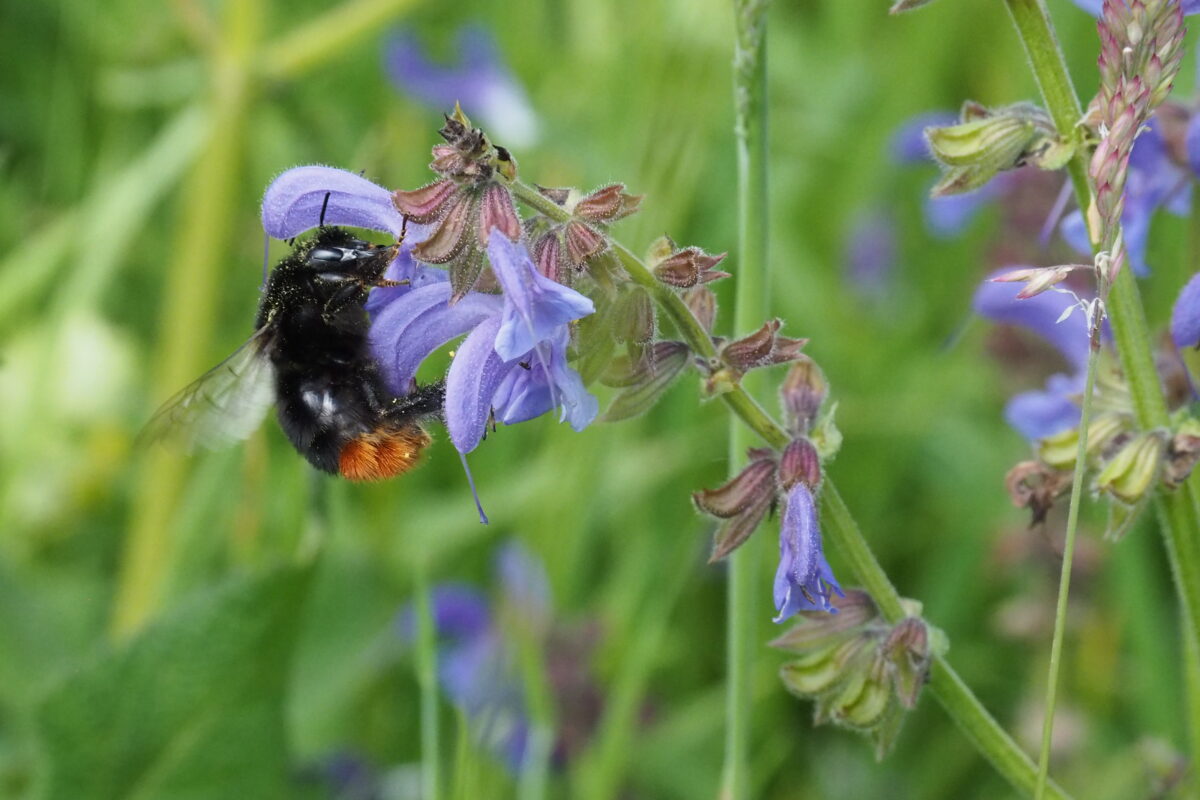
(309, 357)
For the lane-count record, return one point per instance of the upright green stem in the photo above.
(1177, 511)
(1064, 580)
(426, 663)
(750, 309)
(838, 525)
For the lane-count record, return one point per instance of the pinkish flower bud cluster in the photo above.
(564, 250)
(1140, 50)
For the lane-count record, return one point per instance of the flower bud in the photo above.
(644, 380)
(427, 203)
(1059, 450)
(702, 302)
(763, 348)
(1035, 485)
(1038, 279)
(633, 316)
(799, 463)
(688, 267)
(988, 141)
(496, 210)
(820, 629)
(547, 254)
(741, 503)
(1182, 453)
(802, 393)
(1135, 468)
(607, 204)
(583, 243)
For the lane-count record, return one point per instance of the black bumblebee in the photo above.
(309, 356)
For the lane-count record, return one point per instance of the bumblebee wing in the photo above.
(224, 405)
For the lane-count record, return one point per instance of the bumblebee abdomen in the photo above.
(382, 453)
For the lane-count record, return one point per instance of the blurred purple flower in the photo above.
(481, 82)
(871, 254)
(804, 579)
(1155, 181)
(948, 216)
(1094, 7)
(476, 666)
(525, 329)
(1185, 316)
(1038, 414)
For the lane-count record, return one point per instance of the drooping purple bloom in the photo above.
(535, 307)
(481, 82)
(804, 580)
(1040, 413)
(1095, 7)
(1154, 181)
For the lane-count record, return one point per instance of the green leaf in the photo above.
(191, 708)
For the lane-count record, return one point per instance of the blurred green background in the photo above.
(136, 139)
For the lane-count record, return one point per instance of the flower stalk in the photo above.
(1178, 512)
(984, 732)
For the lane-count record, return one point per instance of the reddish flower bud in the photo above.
(689, 267)
(801, 394)
(583, 243)
(496, 210)
(425, 204)
(742, 502)
(800, 463)
(607, 204)
(763, 348)
(449, 238)
(547, 254)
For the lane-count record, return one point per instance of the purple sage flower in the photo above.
(481, 82)
(1185, 316)
(804, 580)
(871, 254)
(522, 330)
(1040, 413)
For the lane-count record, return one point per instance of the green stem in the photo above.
(1177, 511)
(954, 695)
(750, 309)
(426, 665)
(1064, 580)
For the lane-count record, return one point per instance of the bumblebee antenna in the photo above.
(324, 208)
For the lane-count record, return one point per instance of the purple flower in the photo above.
(523, 330)
(1094, 7)
(476, 665)
(480, 81)
(804, 580)
(1038, 414)
(947, 216)
(1155, 181)
(871, 254)
(1185, 316)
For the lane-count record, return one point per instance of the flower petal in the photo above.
(403, 268)
(292, 203)
(407, 330)
(804, 579)
(1038, 414)
(528, 393)
(471, 383)
(1185, 316)
(534, 306)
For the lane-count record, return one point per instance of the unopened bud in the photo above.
(1135, 468)
(1183, 453)
(689, 267)
(802, 393)
(633, 315)
(741, 503)
(1038, 279)
(1059, 450)
(799, 462)
(425, 204)
(583, 243)
(987, 141)
(607, 204)
(763, 348)
(496, 211)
